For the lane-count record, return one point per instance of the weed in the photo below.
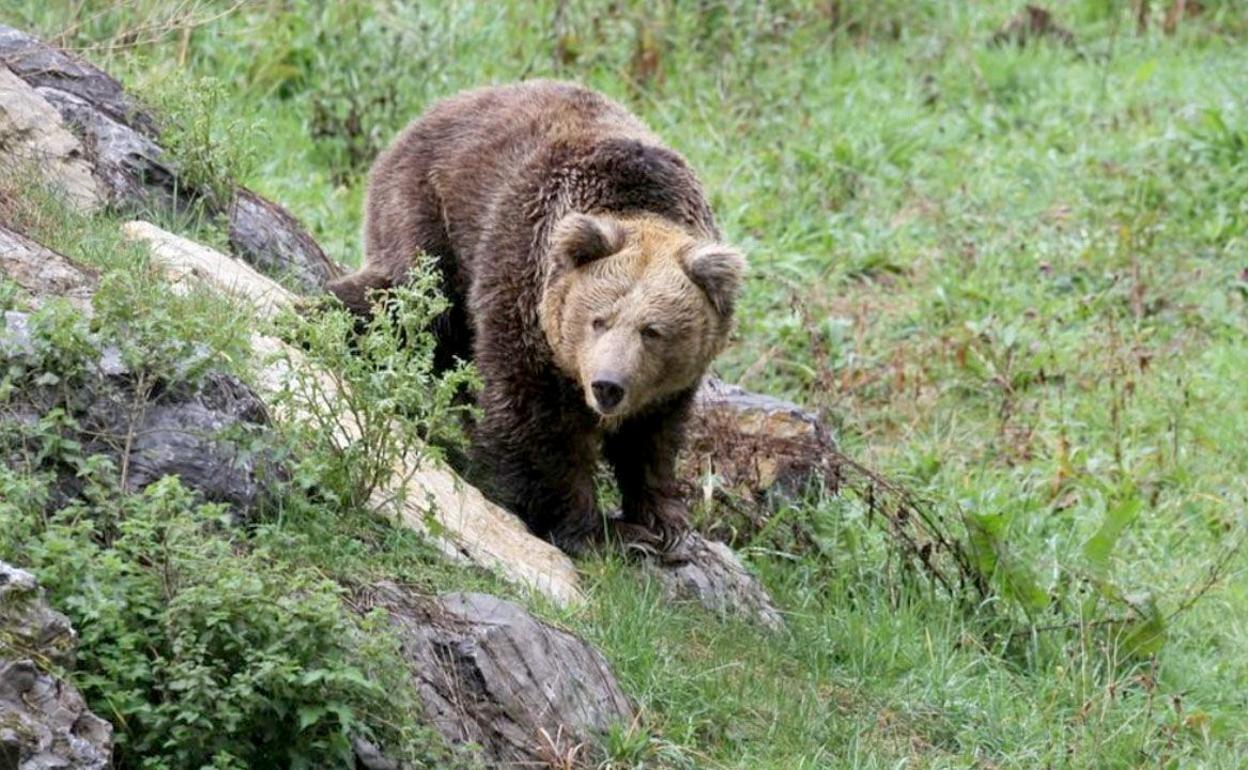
(213, 149)
(373, 399)
(201, 646)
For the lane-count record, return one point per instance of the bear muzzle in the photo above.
(609, 391)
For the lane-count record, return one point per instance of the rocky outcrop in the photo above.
(44, 722)
(467, 526)
(33, 139)
(128, 163)
(116, 156)
(43, 66)
(28, 626)
(491, 674)
(204, 433)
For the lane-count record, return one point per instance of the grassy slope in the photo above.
(1012, 278)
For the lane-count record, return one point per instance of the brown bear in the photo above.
(587, 283)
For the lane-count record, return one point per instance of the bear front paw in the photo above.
(671, 523)
(660, 526)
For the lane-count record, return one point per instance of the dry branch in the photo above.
(753, 447)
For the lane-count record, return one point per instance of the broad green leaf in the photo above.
(310, 715)
(1100, 546)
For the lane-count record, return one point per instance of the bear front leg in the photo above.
(642, 452)
(540, 467)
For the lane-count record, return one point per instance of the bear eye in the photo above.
(651, 332)
(600, 324)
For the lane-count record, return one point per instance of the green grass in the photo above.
(1013, 279)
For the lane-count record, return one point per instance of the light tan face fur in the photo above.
(648, 317)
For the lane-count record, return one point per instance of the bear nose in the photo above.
(608, 394)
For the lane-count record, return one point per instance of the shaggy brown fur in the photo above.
(587, 283)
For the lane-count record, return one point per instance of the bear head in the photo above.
(635, 308)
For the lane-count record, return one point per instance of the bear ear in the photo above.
(582, 238)
(717, 270)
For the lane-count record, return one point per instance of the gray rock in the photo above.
(44, 722)
(130, 165)
(710, 574)
(199, 433)
(43, 273)
(192, 434)
(34, 140)
(265, 235)
(369, 757)
(28, 626)
(491, 674)
(15, 335)
(42, 65)
(120, 154)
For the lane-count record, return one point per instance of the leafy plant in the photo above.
(214, 148)
(200, 652)
(373, 400)
(201, 645)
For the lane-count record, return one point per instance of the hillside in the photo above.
(1011, 279)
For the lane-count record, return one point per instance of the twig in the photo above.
(1216, 571)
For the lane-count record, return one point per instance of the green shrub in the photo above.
(203, 646)
(201, 651)
(374, 396)
(213, 148)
